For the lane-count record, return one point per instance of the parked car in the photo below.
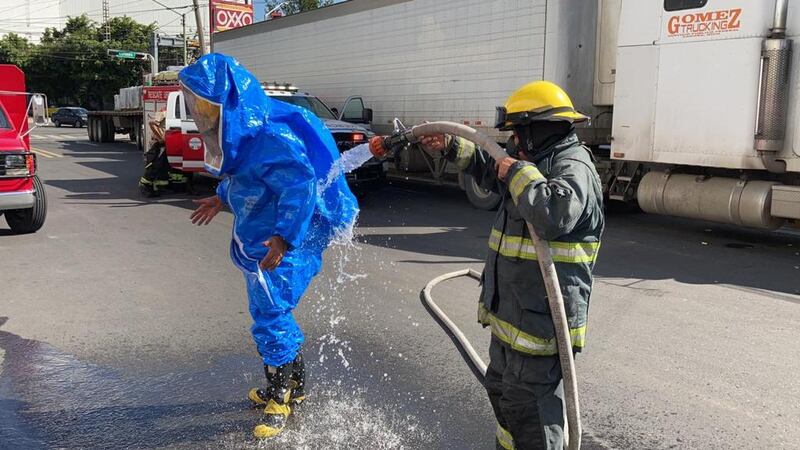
(77, 117)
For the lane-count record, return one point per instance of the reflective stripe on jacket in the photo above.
(561, 196)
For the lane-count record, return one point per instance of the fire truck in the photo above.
(22, 195)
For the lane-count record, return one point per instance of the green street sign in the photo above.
(126, 54)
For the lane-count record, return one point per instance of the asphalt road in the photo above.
(124, 326)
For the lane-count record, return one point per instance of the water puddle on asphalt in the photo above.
(51, 399)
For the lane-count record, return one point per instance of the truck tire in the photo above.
(139, 136)
(479, 197)
(89, 131)
(98, 130)
(110, 129)
(23, 221)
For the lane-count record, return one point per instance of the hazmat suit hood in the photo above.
(236, 105)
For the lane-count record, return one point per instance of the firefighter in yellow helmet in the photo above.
(549, 180)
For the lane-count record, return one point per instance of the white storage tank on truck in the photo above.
(693, 110)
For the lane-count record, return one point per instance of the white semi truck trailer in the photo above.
(695, 104)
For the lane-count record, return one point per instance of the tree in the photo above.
(14, 49)
(71, 66)
(298, 6)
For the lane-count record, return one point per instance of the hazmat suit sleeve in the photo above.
(554, 205)
(222, 190)
(474, 162)
(289, 175)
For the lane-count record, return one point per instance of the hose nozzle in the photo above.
(377, 147)
(384, 146)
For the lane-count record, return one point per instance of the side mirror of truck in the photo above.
(39, 110)
(366, 115)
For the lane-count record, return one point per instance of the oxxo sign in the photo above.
(227, 15)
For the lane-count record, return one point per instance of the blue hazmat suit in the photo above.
(270, 156)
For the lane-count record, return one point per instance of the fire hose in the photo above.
(402, 137)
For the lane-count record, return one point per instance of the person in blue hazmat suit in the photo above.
(270, 156)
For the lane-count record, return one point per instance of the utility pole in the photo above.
(185, 51)
(106, 18)
(154, 49)
(200, 36)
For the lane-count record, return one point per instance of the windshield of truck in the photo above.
(5, 124)
(312, 104)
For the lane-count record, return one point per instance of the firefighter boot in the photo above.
(297, 383)
(298, 380)
(277, 409)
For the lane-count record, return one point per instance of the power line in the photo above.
(88, 15)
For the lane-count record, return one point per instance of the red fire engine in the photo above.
(22, 195)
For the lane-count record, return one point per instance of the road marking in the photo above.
(60, 138)
(45, 153)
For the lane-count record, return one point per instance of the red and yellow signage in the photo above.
(229, 15)
(707, 23)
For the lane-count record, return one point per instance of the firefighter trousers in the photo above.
(526, 394)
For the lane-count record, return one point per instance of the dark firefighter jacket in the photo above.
(560, 194)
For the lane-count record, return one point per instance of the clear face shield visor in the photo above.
(207, 116)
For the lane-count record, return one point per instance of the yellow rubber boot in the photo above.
(297, 383)
(260, 397)
(275, 416)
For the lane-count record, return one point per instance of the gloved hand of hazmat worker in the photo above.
(270, 156)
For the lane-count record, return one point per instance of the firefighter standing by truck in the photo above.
(158, 174)
(156, 166)
(549, 181)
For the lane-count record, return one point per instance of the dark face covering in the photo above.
(536, 137)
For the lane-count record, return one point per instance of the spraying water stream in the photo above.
(348, 162)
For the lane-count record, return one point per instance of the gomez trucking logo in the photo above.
(707, 23)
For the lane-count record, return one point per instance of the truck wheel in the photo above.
(110, 129)
(98, 130)
(479, 197)
(90, 129)
(139, 136)
(23, 221)
(101, 130)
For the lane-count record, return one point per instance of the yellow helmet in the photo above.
(539, 100)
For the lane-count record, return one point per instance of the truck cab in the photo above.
(22, 194)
